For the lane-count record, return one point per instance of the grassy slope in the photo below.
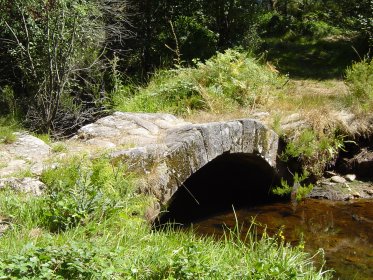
(89, 226)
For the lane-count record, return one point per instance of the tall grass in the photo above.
(119, 244)
(359, 78)
(228, 80)
(8, 126)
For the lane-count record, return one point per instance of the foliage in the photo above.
(59, 148)
(78, 192)
(7, 128)
(116, 243)
(8, 102)
(298, 189)
(228, 80)
(365, 19)
(200, 29)
(284, 189)
(55, 51)
(20, 209)
(70, 261)
(314, 151)
(164, 255)
(304, 145)
(359, 78)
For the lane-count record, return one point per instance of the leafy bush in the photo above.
(319, 28)
(195, 39)
(80, 191)
(273, 24)
(359, 78)
(313, 150)
(298, 189)
(70, 261)
(68, 206)
(228, 80)
(8, 102)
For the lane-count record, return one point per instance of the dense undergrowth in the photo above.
(223, 83)
(89, 225)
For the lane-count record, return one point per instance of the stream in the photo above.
(344, 229)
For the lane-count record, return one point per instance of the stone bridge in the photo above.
(169, 151)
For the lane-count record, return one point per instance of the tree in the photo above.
(58, 51)
(196, 28)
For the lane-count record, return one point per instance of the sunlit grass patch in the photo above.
(223, 83)
(90, 224)
(7, 128)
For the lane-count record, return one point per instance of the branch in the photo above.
(28, 46)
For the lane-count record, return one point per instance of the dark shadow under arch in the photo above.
(230, 179)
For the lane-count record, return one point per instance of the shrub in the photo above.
(299, 189)
(359, 78)
(55, 52)
(8, 102)
(312, 150)
(319, 28)
(228, 80)
(70, 261)
(80, 191)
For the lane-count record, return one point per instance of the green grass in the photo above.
(359, 78)
(7, 128)
(228, 80)
(59, 147)
(72, 232)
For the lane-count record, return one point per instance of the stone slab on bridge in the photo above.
(164, 148)
(169, 150)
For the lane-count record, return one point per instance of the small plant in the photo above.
(314, 151)
(7, 128)
(7, 136)
(59, 148)
(69, 206)
(71, 261)
(303, 145)
(44, 137)
(80, 191)
(284, 189)
(188, 262)
(359, 79)
(298, 190)
(8, 102)
(276, 125)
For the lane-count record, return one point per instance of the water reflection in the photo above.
(343, 229)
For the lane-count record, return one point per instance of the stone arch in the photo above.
(230, 180)
(184, 150)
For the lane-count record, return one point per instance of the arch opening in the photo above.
(240, 180)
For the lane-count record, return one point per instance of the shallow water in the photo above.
(343, 229)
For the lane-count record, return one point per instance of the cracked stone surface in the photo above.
(170, 154)
(128, 129)
(28, 185)
(26, 153)
(332, 190)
